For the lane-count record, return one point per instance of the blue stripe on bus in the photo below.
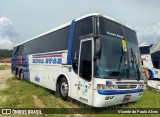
(129, 82)
(48, 54)
(119, 92)
(25, 67)
(69, 56)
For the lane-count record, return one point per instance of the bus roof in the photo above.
(68, 23)
(156, 46)
(144, 45)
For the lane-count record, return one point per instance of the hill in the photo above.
(4, 53)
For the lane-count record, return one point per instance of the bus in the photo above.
(151, 61)
(93, 59)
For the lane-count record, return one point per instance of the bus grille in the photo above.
(126, 86)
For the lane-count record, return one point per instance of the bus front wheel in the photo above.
(63, 89)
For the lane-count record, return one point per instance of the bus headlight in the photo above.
(106, 87)
(101, 86)
(140, 86)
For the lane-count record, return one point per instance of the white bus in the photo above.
(93, 59)
(151, 61)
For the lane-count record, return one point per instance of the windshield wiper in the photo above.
(121, 65)
(138, 72)
(121, 70)
(123, 60)
(135, 62)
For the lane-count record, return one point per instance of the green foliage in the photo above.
(5, 53)
(20, 94)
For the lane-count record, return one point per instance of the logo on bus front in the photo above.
(128, 86)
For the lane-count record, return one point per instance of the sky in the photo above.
(24, 19)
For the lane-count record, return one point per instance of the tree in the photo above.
(4, 53)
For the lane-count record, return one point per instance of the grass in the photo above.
(20, 94)
(4, 67)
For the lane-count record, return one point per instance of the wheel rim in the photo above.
(64, 88)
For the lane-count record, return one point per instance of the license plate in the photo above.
(126, 98)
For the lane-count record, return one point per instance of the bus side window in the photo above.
(86, 60)
(20, 50)
(17, 51)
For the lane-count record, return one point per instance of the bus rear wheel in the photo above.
(63, 89)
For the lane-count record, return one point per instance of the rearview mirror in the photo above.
(97, 53)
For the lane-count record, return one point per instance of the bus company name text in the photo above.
(47, 61)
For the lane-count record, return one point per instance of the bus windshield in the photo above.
(110, 62)
(115, 60)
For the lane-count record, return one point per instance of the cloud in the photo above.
(5, 43)
(7, 32)
(7, 28)
(148, 35)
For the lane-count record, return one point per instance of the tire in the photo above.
(149, 75)
(63, 89)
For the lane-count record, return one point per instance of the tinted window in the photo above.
(106, 25)
(109, 64)
(14, 51)
(130, 35)
(86, 60)
(114, 29)
(26, 49)
(156, 64)
(54, 41)
(144, 50)
(20, 50)
(81, 28)
(156, 59)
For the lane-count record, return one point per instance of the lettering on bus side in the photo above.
(47, 61)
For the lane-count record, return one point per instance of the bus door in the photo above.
(85, 71)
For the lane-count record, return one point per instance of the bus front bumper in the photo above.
(109, 98)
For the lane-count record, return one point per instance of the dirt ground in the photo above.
(4, 75)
